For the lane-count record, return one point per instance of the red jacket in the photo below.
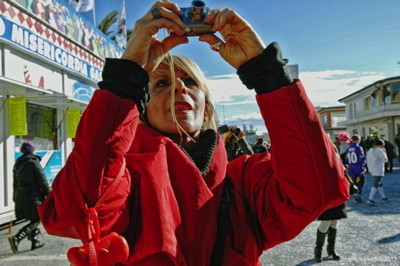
(167, 210)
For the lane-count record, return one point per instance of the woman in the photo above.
(166, 202)
(30, 189)
(328, 226)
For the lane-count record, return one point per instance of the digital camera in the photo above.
(193, 18)
(236, 131)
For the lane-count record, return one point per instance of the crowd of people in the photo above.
(236, 143)
(356, 162)
(374, 155)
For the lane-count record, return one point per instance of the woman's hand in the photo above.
(240, 43)
(143, 46)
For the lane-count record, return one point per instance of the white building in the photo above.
(51, 59)
(374, 110)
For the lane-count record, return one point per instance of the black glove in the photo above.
(266, 72)
(126, 79)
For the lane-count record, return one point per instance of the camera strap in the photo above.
(222, 223)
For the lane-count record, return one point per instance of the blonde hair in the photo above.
(193, 70)
(355, 137)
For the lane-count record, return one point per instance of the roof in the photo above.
(369, 86)
(321, 109)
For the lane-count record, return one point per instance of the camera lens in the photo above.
(196, 14)
(198, 4)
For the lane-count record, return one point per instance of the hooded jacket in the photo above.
(30, 186)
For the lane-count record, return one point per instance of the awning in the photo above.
(39, 96)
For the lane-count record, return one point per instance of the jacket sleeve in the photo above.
(104, 135)
(302, 177)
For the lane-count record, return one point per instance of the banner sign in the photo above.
(78, 89)
(17, 116)
(73, 117)
(66, 20)
(27, 40)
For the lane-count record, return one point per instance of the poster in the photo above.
(73, 117)
(17, 116)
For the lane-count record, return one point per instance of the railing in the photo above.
(379, 109)
(385, 110)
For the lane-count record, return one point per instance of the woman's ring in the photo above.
(216, 46)
(155, 12)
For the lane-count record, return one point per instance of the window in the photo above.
(386, 94)
(352, 111)
(325, 120)
(373, 101)
(336, 118)
(41, 128)
(396, 92)
(367, 103)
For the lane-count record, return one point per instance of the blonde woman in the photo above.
(152, 120)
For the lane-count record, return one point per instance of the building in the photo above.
(374, 110)
(331, 117)
(51, 59)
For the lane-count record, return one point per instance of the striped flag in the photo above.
(82, 5)
(120, 36)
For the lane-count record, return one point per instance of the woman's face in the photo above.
(189, 103)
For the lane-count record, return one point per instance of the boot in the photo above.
(14, 240)
(318, 246)
(34, 237)
(331, 244)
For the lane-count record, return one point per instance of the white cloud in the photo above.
(324, 88)
(225, 88)
(253, 118)
(247, 116)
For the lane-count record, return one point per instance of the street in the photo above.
(369, 236)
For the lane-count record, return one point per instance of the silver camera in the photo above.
(193, 18)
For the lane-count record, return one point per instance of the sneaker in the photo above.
(358, 199)
(371, 202)
(384, 199)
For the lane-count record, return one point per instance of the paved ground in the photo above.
(369, 236)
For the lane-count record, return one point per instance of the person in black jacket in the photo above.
(259, 147)
(397, 141)
(391, 154)
(30, 189)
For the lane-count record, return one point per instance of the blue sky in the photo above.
(340, 46)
